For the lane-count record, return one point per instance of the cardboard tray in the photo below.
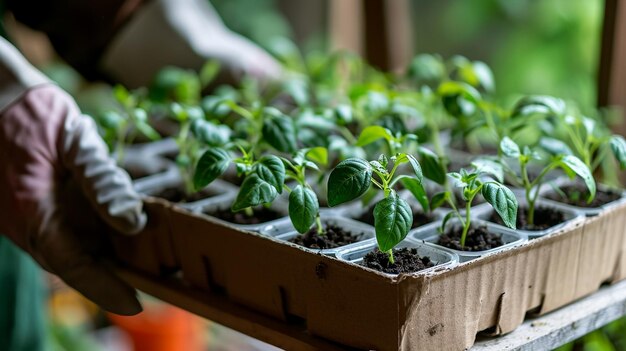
(360, 308)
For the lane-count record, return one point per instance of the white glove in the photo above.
(59, 189)
(183, 33)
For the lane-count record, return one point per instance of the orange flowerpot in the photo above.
(162, 327)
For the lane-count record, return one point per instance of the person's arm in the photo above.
(59, 189)
(130, 40)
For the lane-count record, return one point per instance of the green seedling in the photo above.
(122, 127)
(393, 216)
(570, 164)
(471, 184)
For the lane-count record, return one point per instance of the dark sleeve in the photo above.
(79, 30)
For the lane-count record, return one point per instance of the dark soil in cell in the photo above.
(577, 194)
(260, 215)
(545, 217)
(406, 260)
(419, 218)
(177, 194)
(332, 237)
(478, 239)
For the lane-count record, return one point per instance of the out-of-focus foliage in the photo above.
(534, 46)
(264, 25)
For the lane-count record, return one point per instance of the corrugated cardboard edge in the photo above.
(603, 250)
(152, 249)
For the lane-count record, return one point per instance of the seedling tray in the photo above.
(356, 307)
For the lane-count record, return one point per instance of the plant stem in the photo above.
(318, 224)
(529, 201)
(249, 211)
(390, 254)
(466, 224)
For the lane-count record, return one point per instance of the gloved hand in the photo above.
(58, 187)
(183, 33)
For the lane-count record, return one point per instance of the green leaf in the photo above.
(393, 218)
(417, 169)
(431, 166)
(574, 164)
(123, 96)
(539, 104)
(555, 146)
(488, 166)
(439, 199)
(254, 191)
(503, 201)
(372, 134)
(618, 146)
(318, 154)
(303, 208)
(447, 217)
(208, 72)
(279, 131)
(272, 170)
(209, 133)
(349, 180)
(417, 189)
(212, 164)
(509, 148)
(451, 88)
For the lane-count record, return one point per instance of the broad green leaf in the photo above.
(372, 134)
(439, 199)
(451, 88)
(431, 167)
(393, 218)
(272, 170)
(554, 146)
(318, 155)
(209, 133)
(254, 191)
(488, 166)
(618, 146)
(303, 208)
(349, 180)
(208, 72)
(574, 164)
(212, 164)
(417, 189)
(509, 148)
(539, 104)
(503, 201)
(279, 131)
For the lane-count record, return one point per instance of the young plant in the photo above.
(570, 164)
(303, 202)
(589, 139)
(122, 127)
(472, 183)
(393, 216)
